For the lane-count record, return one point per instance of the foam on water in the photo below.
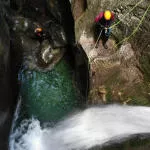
(93, 126)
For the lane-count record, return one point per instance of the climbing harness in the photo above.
(107, 32)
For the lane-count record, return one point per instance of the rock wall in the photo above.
(78, 8)
(61, 10)
(5, 83)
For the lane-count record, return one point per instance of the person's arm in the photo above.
(99, 17)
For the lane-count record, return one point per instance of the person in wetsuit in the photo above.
(103, 22)
(40, 35)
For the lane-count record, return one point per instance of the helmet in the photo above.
(38, 30)
(107, 15)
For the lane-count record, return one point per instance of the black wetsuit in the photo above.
(102, 27)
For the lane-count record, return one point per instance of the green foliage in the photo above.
(145, 64)
(139, 100)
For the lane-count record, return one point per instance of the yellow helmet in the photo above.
(107, 15)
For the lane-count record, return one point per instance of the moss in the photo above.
(132, 94)
(136, 142)
(139, 100)
(145, 66)
(109, 95)
(138, 95)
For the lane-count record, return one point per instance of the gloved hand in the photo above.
(107, 31)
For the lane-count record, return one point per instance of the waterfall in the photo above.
(82, 130)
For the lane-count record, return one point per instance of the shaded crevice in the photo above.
(67, 20)
(78, 8)
(85, 6)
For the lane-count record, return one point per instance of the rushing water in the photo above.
(82, 130)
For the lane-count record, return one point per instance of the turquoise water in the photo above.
(49, 96)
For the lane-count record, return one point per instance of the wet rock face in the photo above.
(28, 8)
(30, 51)
(122, 69)
(135, 142)
(5, 84)
(4, 62)
(78, 7)
(5, 2)
(53, 16)
(28, 46)
(61, 11)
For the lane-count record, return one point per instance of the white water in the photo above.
(93, 126)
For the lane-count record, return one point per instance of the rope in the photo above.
(127, 13)
(136, 29)
(98, 39)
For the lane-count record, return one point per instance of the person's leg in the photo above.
(100, 32)
(95, 31)
(104, 40)
(106, 37)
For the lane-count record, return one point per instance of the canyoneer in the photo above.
(42, 35)
(103, 22)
